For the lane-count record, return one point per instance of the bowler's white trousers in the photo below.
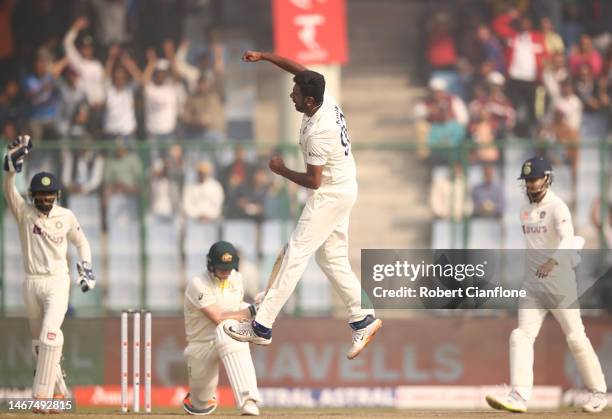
(322, 228)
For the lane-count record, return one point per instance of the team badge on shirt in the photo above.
(542, 215)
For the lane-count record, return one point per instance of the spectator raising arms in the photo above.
(120, 116)
(525, 56)
(89, 69)
(162, 97)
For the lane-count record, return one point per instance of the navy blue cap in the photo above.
(44, 182)
(534, 168)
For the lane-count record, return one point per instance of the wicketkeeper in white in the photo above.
(212, 300)
(550, 282)
(44, 230)
(322, 228)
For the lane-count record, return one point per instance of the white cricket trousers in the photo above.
(46, 300)
(523, 337)
(322, 228)
(203, 369)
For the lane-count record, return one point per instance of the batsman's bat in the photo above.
(273, 274)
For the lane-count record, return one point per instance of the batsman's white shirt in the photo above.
(202, 292)
(324, 141)
(44, 238)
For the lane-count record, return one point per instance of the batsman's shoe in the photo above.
(188, 407)
(596, 403)
(245, 332)
(362, 337)
(513, 402)
(250, 408)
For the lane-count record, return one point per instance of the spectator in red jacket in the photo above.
(441, 49)
(525, 53)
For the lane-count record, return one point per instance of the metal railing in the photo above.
(512, 153)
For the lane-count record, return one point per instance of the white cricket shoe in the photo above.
(596, 403)
(250, 408)
(243, 332)
(362, 337)
(513, 402)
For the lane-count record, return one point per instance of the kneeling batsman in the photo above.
(210, 301)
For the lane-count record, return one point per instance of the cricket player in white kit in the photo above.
(550, 282)
(211, 301)
(44, 230)
(322, 228)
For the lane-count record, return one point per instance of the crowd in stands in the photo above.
(120, 72)
(536, 71)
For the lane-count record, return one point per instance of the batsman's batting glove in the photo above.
(16, 152)
(86, 279)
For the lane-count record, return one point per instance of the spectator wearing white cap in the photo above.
(441, 119)
(162, 101)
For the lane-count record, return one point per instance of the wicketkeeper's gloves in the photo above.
(86, 279)
(16, 152)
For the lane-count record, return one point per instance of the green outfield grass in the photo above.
(92, 413)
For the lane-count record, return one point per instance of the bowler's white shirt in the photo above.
(324, 142)
(202, 292)
(44, 238)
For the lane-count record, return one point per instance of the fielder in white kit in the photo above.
(44, 230)
(322, 228)
(212, 300)
(550, 282)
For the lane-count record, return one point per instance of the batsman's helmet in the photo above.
(222, 255)
(44, 182)
(535, 168)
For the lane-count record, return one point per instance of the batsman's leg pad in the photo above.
(236, 358)
(47, 365)
(586, 361)
(521, 362)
